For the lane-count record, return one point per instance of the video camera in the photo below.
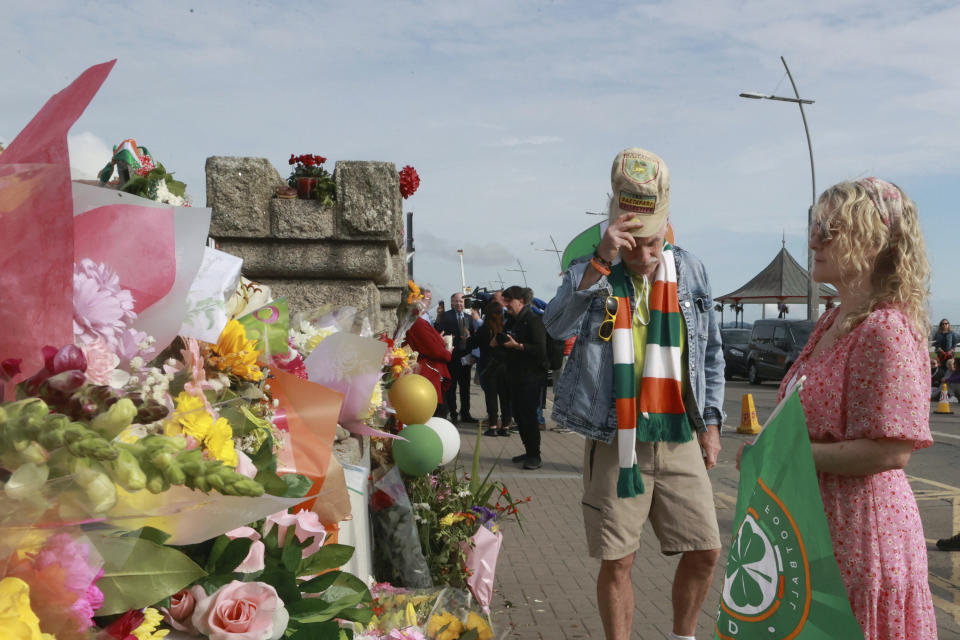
(477, 298)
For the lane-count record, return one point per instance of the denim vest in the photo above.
(583, 396)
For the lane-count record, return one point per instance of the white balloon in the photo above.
(449, 436)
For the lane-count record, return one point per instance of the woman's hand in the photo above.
(743, 447)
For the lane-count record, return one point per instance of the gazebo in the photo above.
(780, 282)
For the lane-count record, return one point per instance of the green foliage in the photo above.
(146, 186)
(138, 572)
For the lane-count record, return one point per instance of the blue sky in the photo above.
(513, 111)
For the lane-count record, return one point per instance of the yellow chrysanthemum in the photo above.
(476, 621)
(191, 419)
(451, 625)
(148, 628)
(235, 354)
(17, 619)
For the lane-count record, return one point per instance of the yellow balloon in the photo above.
(414, 397)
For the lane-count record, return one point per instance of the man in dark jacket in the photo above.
(459, 323)
(526, 370)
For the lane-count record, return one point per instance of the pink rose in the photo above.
(254, 560)
(307, 525)
(182, 605)
(242, 611)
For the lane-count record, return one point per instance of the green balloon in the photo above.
(422, 451)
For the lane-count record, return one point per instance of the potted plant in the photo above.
(311, 179)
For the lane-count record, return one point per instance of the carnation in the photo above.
(101, 307)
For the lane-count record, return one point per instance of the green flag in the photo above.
(782, 580)
(583, 244)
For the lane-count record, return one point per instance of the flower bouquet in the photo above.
(423, 614)
(142, 491)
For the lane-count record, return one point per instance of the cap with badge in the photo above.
(641, 186)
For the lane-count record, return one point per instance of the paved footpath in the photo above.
(545, 581)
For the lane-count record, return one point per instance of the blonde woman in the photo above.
(866, 400)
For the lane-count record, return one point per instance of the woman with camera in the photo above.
(526, 344)
(489, 338)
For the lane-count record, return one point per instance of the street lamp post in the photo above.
(813, 299)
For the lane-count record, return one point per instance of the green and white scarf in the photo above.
(662, 414)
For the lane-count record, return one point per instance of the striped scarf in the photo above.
(662, 415)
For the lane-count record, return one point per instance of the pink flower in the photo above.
(102, 364)
(254, 560)
(100, 306)
(410, 633)
(242, 611)
(79, 577)
(245, 466)
(182, 605)
(307, 525)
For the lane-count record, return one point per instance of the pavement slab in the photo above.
(546, 582)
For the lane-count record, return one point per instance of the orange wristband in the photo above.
(599, 267)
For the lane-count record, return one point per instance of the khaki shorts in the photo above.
(677, 499)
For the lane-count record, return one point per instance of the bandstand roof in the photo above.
(783, 280)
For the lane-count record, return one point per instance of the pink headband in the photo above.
(886, 199)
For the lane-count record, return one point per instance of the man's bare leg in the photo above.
(690, 587)
(615, 597)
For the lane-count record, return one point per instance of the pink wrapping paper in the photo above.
(481, 560)
(137, 242)
(36, 212)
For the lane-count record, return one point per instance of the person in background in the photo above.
(427, 301)
(461, 324)
(489, 340)
(866, 401)
(433, 354)
(944, 342)
(526, 344)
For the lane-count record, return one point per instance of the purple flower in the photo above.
(101, 308)
(485, 514)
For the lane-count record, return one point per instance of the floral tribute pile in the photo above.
(166, 429)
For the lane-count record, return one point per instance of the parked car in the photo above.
(736, 343)
(774, 347)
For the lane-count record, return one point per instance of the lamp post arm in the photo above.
(806, 130)
(813, 289)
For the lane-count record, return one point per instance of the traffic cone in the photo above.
(943, 406)
(748, 416)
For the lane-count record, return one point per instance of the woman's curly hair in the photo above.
(891, 262)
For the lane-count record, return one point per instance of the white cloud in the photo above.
(530, 140)
(88, 155)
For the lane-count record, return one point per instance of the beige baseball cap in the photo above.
(641, 186)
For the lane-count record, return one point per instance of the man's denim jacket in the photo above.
(583, 396)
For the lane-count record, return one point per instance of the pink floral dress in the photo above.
(874, 383)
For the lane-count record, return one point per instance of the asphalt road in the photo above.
(934, 476)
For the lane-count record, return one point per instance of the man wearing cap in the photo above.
(644, 385)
